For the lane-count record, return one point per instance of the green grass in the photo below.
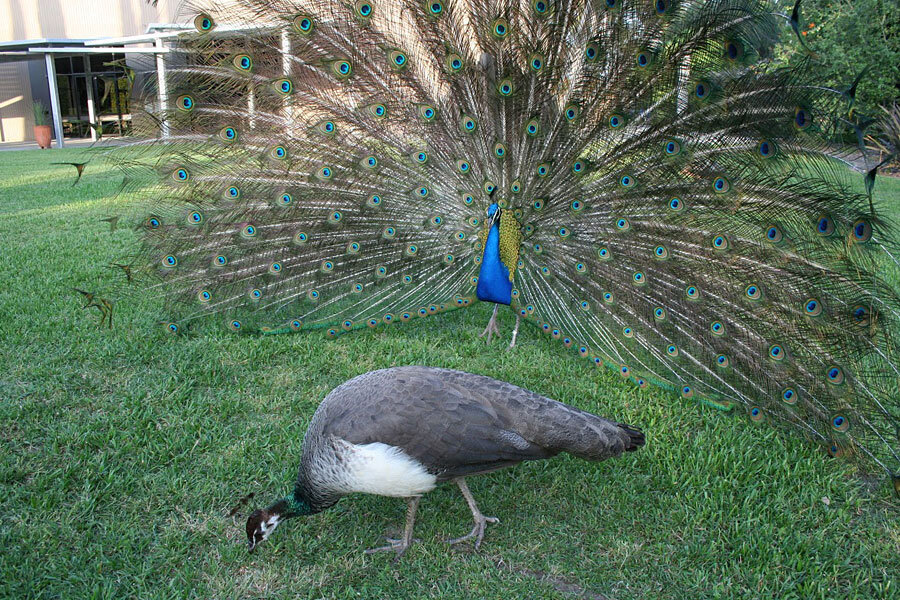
(121, 452)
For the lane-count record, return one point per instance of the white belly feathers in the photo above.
(381, 469)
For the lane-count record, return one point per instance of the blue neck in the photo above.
(493, 278)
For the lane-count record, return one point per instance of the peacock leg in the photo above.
(515, 330)
(492, 326)
(481, 521)
(400, 546)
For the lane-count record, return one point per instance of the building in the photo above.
(80, 48)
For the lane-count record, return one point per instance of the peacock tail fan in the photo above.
(669, 204)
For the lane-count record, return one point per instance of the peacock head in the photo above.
(262, 522)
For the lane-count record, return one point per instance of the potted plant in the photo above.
(41, 128)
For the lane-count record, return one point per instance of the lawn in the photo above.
(123, 450)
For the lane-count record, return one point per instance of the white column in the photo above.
(251, 106)
(162, 89)
(286, 67)
(92, 111)
(54, 99)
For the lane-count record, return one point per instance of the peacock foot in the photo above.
(492, 326)
(394, 545)
(477, 531)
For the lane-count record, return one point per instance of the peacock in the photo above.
(637, 178)
(401, 431)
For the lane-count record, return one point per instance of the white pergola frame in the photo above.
(50, 49)
(157, 34)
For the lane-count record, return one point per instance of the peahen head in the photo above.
(263, 521)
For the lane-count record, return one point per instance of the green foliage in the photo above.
(849, 36)
(40, 113)
(122, 451)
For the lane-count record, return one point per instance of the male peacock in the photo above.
(398, 432)
(633, 176)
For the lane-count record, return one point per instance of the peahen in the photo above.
(637, 178)
(398, 432)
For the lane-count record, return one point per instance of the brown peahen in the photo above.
(638, 178)
(399, 432)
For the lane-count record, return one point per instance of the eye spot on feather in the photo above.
(802, 118)
(722, 361)
(303, 24)
(789, 396)
(398, 60)
(720, 242)
(834, 375)
(702, 90)
(243, 62)
(812, 307)
(672, 147)
(777, 352)
(824, 226)
(536, 62)
(185, 103)
(774, 234)
(228, 134)
(364, 9)
(204, 23)
(756, 414)
(840, 423)
(500, 29)
(861, 231)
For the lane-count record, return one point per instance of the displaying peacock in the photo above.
(399, 432)
(635, 177)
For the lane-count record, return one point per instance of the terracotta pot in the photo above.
(42, 135)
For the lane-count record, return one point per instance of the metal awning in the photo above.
(151, 42)
(50, 48)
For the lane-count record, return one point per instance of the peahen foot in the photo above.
(400, 546)
(481, 521)
(492, 326)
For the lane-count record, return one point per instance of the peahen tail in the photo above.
(635, 176)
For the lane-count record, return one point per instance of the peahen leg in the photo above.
(481, 521)
(400, 546)
(492, 327)
(515, 331)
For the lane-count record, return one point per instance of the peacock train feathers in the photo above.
(633, 176)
